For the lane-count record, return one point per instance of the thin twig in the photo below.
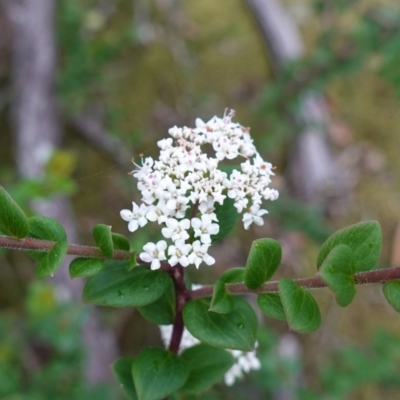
(316, 282)
(360, 278)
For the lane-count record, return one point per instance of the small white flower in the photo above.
(178, 253)
(136, 217)
(176, 230)
(199, 254)
(270, 194)
(254, 215)
(159, 213)
(165, 143)
(245, 362)
(207, 207)
(175, 132)
(204, 228)
(263, 167)
(154, 253)
(240, 204)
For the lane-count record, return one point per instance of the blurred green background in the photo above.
(132, 69)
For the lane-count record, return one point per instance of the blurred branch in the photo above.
(37, 133)
(312, 171)
(91, 126)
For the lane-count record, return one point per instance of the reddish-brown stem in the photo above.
(193, 211)
(361, 278)
(45, 245)
(316, 282)
(180, 299)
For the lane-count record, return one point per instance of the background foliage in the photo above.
(144, 68)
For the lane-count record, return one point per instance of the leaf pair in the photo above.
(14, 222)
(348, 251)
(108, 242)
(353, 249)
(222, 301)
(294, 304)
(156, 373)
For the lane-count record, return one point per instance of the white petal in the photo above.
(208, 259)
(133, 225)
(161, 245)
(146, 257)
(184, 261)
(149, 247)
(196, 223)
(167, 233)
(258, 221)
(155, 264)
(126, 215)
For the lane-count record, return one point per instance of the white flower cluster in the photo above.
(187, 178)
(244, 361)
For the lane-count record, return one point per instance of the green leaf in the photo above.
(81, 267)
(364, 239)
(49, 229)
(132, 262)
(114, 286)
(122, 369)
(227, 216)
(391, 290)
(120, 242)
(302, 311)
(206, 365)
(157, 373)
(103, 238)
(234, 330)
(233, 275)
(263, 260)
(13, 221)
(337, 271)
(221, 301)
(162, 311)
(270, 304)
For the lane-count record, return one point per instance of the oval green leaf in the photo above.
(81, 267)
(233, 275)
(235, 330)
(337, 271)
(221, 301)
(114, 286)
(103, 238)
(301, 309)
(132, 262)
(271, 305)
(162, 311)
(227, 217)
(391, 290)
(206, 365)
(364, 239)
(120, 242)
(122, 369)
(13, 221)
(157, 373)
(49, 229)
(263, 260)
